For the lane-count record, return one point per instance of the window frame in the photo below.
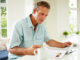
(73, 9)
(3, 5)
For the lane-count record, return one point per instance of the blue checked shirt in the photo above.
(24, 35)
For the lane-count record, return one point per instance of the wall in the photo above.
(62, 17)
(78, 14)
(15, 13)
(28, 7)
(17, 10)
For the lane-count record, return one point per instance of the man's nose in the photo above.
(44, 16)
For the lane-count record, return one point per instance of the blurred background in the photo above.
(63, 18)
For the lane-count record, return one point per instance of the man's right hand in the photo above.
(30, 51)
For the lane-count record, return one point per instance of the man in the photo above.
(29, 34)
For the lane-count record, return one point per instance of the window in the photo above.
(73, 16)
(3, 18)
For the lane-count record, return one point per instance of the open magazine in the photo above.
(58, 52)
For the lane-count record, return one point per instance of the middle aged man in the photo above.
(30, 33)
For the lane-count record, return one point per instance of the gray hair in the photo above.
(42, 3)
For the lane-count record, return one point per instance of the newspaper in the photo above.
(58, 52)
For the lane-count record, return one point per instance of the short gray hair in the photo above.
(42, 3)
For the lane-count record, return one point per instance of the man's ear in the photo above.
(34, 10)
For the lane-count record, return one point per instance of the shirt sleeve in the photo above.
(46, 36)
(16, 37)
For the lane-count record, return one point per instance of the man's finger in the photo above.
(69, 43)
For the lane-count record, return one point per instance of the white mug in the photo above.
(41, 54)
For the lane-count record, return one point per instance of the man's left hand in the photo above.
(67, 44)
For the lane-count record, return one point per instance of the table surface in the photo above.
(72, 56)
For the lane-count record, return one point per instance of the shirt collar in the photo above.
(29, 21)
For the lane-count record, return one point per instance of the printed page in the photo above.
(58, 52)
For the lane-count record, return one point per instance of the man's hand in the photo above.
(36, 47)
(32, 48)
(54, 43)
(67, 44)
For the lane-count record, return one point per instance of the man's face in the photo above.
(41, 14)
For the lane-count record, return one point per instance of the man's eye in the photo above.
(42, 14)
